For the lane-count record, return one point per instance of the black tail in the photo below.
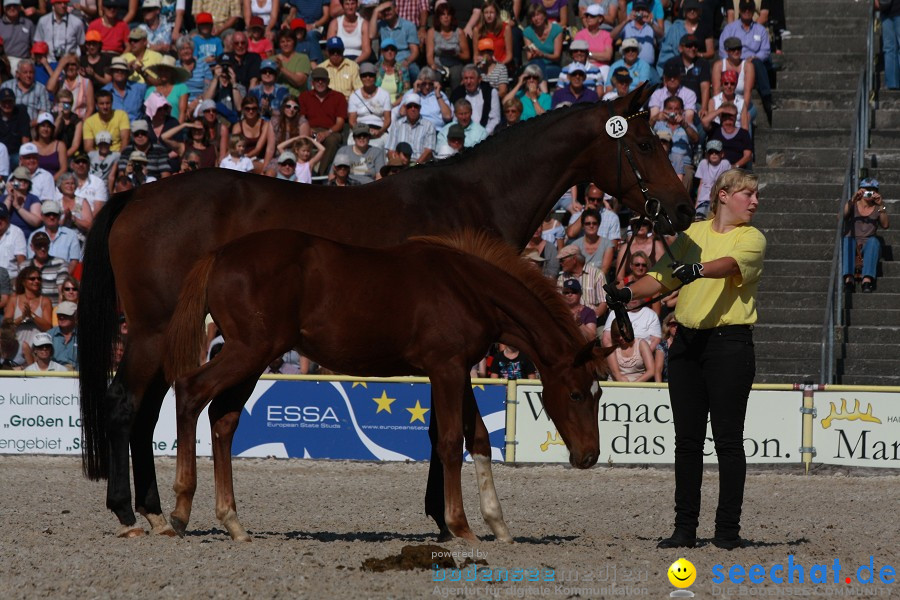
(97, 332)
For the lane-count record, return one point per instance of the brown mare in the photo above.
(431, 306)
(145, 241)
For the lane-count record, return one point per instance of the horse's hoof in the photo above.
(505, 538)
(444, 535)
(130, 531)
(167, 531)
(177, 525)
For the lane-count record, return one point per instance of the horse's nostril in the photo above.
(685, 213)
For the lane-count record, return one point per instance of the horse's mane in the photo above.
(500, 254)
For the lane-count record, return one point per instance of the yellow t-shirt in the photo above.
(707, 303)
(119, 121)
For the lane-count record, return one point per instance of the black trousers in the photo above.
(710, 374)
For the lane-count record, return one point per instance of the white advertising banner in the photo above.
(41, 415)
(860, 429)
(636, 427)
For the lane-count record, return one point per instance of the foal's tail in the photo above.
(97, 333)
(185, 335)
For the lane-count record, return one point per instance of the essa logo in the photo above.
(301, 414)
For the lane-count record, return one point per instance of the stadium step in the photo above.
(815, 99)
(815, 79)
(823, 42)
(844, 63)
(793, 220)
(804, 157)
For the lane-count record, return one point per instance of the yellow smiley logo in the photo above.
(682, 573)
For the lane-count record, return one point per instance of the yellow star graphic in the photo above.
(384, 403)
(417, 412)
(356, 383)
(478, 386)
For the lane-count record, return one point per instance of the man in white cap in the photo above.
(30, 93)
(157, 156)
(42, 184)
(91, 187)
(593, 74)
(639, 70)
(63, 35)
(136, 169)
(287, 166)
(24, 207)
(63, 241)
(414, 130)
(42, 350)
(65, 335)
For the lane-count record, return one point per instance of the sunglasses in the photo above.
(639, 265)
(32, 279)
(729, 116)
(269, 72)
(70, 289)
(367, 75)
(291, 106)
(731, 83)
(570, 293)
(593, 199)
(251, 109)
(591, 223)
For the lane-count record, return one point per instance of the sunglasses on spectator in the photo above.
(70, 289)
(32, 278)
(724, 83)
(729, 115)
(367, 75)
(591, 223)
(239, 42)
(251, 109)
(291, 106)
(674, 324)
(570, 293)
(640, 264)
(593, 198)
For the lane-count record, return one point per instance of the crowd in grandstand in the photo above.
(100, 96)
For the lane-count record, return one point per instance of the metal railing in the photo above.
(859, 141)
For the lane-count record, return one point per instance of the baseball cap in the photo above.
(640, 5)
(40, 238)
(298, 23)
(40, 338)
(405, 148)
(81, 156)
(319, 73)
(40, 48)
(579, 45)
(576, 67)
(368, 68)
(256, 23)
(93, 36)
(12, 3)
(730, 76)
(361, 129)
(570, 250)
(570, 285)
(21, 173)
(149, 4)
(4, 212)
(485, 43)
(456, 132)
(26, 149)
(137, 156)
(595, 10)
(672, 69)
(67, 308)
(51, 207)
(714, 146)
(45, 117)
(341, 160)
(746, 5)
(7, 94)
(630, 43)
(690, 5)
(225, 59)
(268, 65)
(622, 75)
(287, 155)
(689, 39)
(869, 182)
(334, 43)
(138, 33)
(203, 18)
(733, 43)
(412, 98)
(388, 43)
(206, 105)
(138, 125)
(102, 137)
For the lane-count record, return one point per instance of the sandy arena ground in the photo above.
(314, 523)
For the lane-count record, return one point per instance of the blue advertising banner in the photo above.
(356, 420)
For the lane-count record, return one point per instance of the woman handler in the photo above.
(711, 360)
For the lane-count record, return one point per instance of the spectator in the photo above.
(197, 140)
(326, 110)
(53, 270)
(708, 173)
(661, 356)
(123, 183)
(492, 72)
(492, 27)
(42, 349)
(224, 90)
(599, 42)
(394, 165)
(597, 250)
(77, 214)
(575, 92)
(96, 171)
(157, 154)
(287, 166)
(308, 152)
(168, 81)
(672, 87)
(754, 46)
(446, 46)
(15, 125)
(199, 71)
(674, 119)
(93, 63)
(139, 56)
(690, 25)
(62, 34)
(645, 323)
(736, 142)
(17, 32)
(370, 105)
(436, 107)
(340, 174)
(66, 77)
(52, 154)
(28, 310)
(64, 242)
(621, 82)
(314, 12)
(246, 63)
(695, 71)
(741, 76)
(387, 23)
(158, 30)
(483, 98)
(268, 93)
(584, 316)
(595, 199)
(864, 214)
(391, 76)
(236, 160)
(159, 111)
(454, 143)
(29, 93)
(65, 336)
(12, 246)
(414, 130)
(293, 67)
(639, 70)
(353, 32)
(591, 278)
(474, 133)
(365, 161)
(289, 124)
(890, 42)
(547, 251)
(24, 208)
(509, 363)
(11, 356)
(543, 42)
(127, 95)
(136, 169)
(259, 41)
(593, 75)
(113, 121)
(512, 112)
(632, 361)
(68, 127)
(42, 66)
(645, 241)
(305, 44)
(113, 31)
(207, 45)
(42, 184)
(343, 72)
(609, 10)
(641, 27)
(225, 14)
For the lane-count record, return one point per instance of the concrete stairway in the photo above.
(802, 161)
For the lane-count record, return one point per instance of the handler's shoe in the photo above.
(728, 543)
(679, 539)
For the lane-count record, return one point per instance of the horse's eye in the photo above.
(645, 146)
(576, 397)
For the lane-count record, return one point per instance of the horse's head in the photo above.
(629, 162)
(571, 397)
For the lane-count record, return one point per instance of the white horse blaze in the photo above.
(487, 494)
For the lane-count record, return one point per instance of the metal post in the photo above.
(511, 405)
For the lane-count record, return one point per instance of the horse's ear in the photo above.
(638, 99)
(601, 353)
(586, 354)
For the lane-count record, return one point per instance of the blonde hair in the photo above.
(233, 141)
(733, 180)
(665, 326)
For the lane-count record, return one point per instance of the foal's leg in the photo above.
(434, 491)
(224, 415)
(447, 388)
(478, 444)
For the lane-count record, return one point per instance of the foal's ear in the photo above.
(592, 351)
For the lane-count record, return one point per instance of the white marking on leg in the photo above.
(487, 494)
(159, 524)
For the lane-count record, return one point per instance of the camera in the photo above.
(193, 164)
(18, 184)
(868, 194)
(671, 116)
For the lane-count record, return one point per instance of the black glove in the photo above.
(616, 295)
(687, 272)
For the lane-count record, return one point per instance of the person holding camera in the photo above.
(24, 207)
(673, 120)
(63, 34)
(864, 214)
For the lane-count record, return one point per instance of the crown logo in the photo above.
(552, 440)
(843, 415)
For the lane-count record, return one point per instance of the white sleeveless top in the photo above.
(739, 88)
(264, 12)
(352, 41)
